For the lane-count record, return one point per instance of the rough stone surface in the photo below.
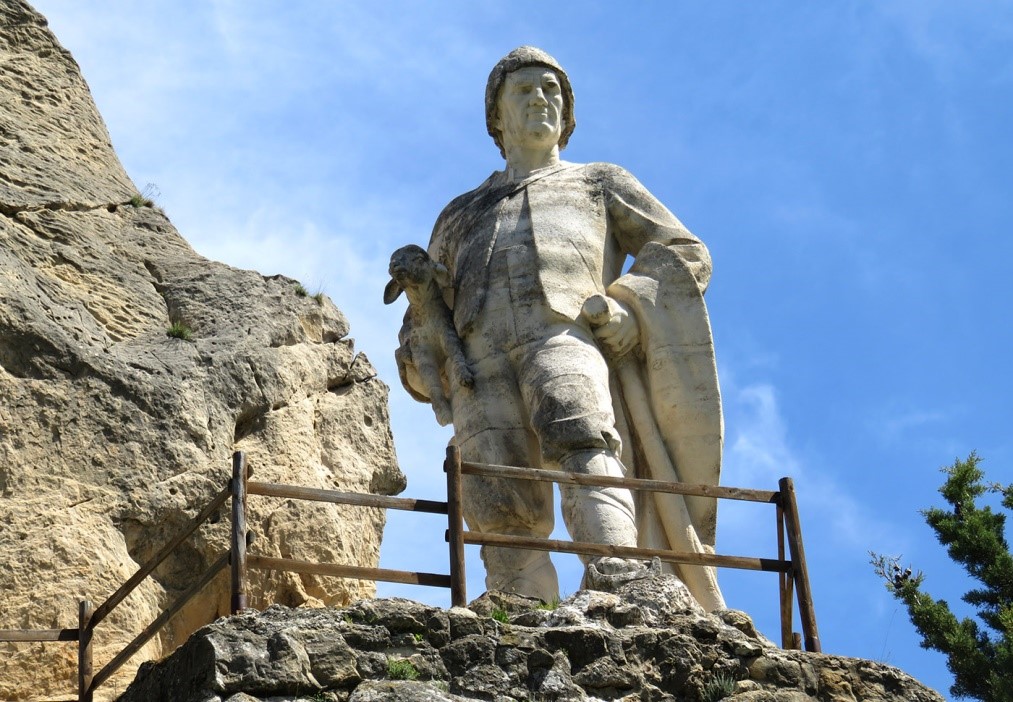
(113, 434)
(646, 642)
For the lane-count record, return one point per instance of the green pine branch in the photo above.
(980, 657)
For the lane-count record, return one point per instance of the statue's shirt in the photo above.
(543, 245)
(517, 307)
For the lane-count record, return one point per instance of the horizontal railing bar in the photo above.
(152, 629)
(347, 571)
(589, 549)
(126, 588)
(22, 635)
(556, 476)
(359, 499)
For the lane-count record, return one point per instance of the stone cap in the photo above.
(522, 57)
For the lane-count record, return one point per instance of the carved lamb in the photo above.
(433, 343)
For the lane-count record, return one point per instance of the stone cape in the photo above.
(648, 641)
(114, 435)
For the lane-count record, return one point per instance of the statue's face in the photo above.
(530, 108)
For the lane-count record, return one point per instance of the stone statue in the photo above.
(568, 363)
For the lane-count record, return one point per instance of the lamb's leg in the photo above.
(460, 372)
(429, 372)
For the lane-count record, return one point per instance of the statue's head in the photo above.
(519, 58)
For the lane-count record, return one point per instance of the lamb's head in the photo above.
(410, 265)
(410, 269)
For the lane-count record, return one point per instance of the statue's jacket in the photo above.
(585, 220)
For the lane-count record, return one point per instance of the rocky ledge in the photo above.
(131, 367)
(647, 642)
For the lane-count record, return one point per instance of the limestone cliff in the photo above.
(647, 642)
(112, 433)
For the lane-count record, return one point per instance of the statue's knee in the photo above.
(517, 507)
(560, 440)
(591, 497)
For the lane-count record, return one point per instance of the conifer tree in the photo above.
(980, 657)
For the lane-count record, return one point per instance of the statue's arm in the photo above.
(637, 217)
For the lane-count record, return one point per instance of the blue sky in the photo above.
(848, 164)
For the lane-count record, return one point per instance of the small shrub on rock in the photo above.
(180, 330)
(718, 688)
(401, 669)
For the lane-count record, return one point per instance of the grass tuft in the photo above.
(401, 669)
(718, 688)
(550, 606)
(180, 330)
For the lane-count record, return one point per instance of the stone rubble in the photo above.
(647, 642)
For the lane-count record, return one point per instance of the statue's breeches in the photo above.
(543, 404)
(553, 392)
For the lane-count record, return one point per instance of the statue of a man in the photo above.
(520, 256)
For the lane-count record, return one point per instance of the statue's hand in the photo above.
(621, 332)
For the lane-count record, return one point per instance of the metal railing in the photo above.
(792, 573)
(240, 535)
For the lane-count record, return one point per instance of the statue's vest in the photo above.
(555, 225)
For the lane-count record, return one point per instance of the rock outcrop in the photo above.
(113, 434)
(648, 642)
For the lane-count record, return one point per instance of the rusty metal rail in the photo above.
(242, 487)
(792, 574)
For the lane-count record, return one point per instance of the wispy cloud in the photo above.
(760, 449)
(939, 32)
(896, 425)
(840, 525)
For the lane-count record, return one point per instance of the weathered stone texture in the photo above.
(648, 642)
(112, 434)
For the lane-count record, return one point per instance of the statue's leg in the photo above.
(598, 515)
(565, 382)
(490, 427)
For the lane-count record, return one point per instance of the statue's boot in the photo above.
(601, 515)
(529, 573)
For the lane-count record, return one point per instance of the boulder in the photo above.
(113, 432)
(648, 640)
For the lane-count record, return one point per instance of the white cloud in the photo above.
(760, 450)
(896, 425)
(938, 32)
